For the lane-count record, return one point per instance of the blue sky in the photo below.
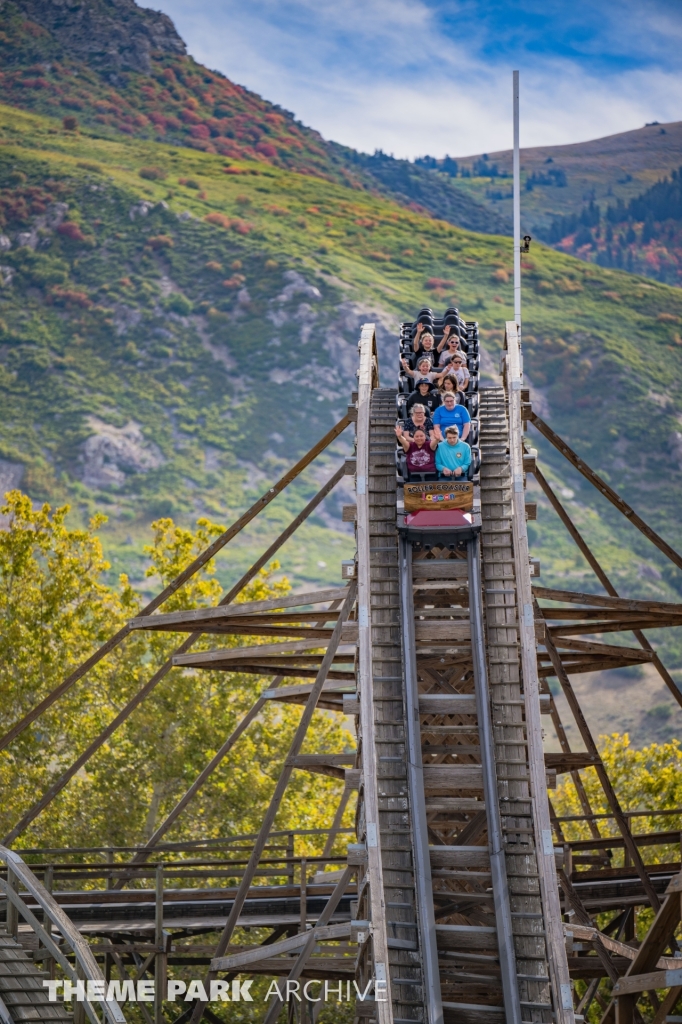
(434, 76)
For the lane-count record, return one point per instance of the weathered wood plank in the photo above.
(449, 777)
(459, 857)
(447, 704)
(597, 601)
(247, 608)
(226, 654)
(252, 956)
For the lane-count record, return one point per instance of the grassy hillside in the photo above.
(125, 72)
(170, 342)
(569, 190)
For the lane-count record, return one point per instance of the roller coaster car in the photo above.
(450, 528)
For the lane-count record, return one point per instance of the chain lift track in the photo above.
(462, 864)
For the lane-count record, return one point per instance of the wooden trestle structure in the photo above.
(460, 897)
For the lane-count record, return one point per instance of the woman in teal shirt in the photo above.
(453, 457)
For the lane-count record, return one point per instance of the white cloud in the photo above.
(383, 74)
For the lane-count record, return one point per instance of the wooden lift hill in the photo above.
(459, 898)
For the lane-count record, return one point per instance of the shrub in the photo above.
(213, 265)
(266, 149)
(219, 219)
(236, 281)
(71, 231)
(87, 165)
(152, 173)
(70, 298)
(160, 242)
(178, 303)
(500, 276)
(189, 183)
(70, 124)
(438, 283)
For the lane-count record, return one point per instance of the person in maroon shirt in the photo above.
(420, 451)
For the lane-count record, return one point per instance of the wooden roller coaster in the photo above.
(459, 898)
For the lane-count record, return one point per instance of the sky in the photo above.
(416, 77)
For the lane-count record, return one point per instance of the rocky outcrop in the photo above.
(111, 453)
(107, 35)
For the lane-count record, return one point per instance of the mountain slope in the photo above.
(123, 69)
(573, 196)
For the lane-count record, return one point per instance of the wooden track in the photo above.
(22, 994)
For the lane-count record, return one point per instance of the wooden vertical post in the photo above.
(161, 965)
(48, 882)
(79, 1006)
(12, 912)
(108, 959)
(290, 858)
(304, 894)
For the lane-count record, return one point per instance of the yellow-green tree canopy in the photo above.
(56, 609)
(649, 779)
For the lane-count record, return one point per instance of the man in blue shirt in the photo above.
(453, 457)
(449, 414)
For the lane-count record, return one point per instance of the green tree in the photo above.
(56, 609)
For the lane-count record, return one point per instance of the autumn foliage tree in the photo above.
(55, 609)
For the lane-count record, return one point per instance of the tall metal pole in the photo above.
(517, 207)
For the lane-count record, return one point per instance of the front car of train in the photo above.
(434, 507)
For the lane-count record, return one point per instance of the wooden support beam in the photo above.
(597, 601)
(142, 855)
(180, 580)
(667, 1006)
(575, 775)
(606, 583)
(609, 791)
(584, 918)
(237, 961)
(605, 650)
(226, 655)
(614, 626)
(578, 665)
(280, 789)
(338, 818)
(247, 609)
(644, 982)
(586, 934)
(606, 490)
(660, 934)
(160, 674)
(312, 938)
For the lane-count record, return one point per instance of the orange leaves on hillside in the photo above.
(236, 281)
(160, 242)
(242, 227)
